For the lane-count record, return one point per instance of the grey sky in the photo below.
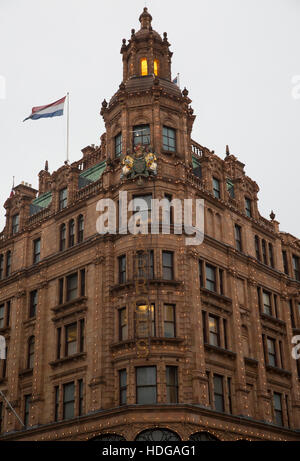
(242, 57)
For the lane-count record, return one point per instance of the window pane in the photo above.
(146, 376)
(146, 395)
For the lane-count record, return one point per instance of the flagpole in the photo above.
(68, 125)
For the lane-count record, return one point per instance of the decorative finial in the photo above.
(185, 92)
(46, 165)
(145, 19)
(272, 215)
(104, 104)
(227, 151)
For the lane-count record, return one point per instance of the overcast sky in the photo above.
(237, 58)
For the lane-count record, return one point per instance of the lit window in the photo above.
(71, 339)
(214, 330)
(156, 66)
(144, 66)
(145, 320)
(169, 321)
(141, 135)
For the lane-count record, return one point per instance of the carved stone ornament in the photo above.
(142, 162)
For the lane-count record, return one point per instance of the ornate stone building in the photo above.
(142, 336)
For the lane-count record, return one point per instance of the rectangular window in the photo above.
(82, 282)
(8, 306)
(271, 347)
(225, 333)
(214, 330)
(257, 248)
(216, 188)
(230, 188)
(278, 409)
(145, 262)
(26, 409)
(264, 251)
(146, 385)
(141, 135)
(204, 326)
(169, 139)
(63, 198)
(296, 267)
(167, 263)
(8, 263)
(118, 145)
(210, 277)
(285, 262)
(81, 335)
(238, 237)
(123, 325)
(70, 339)
(271, 255)
(2, 315)
(61, 291)
(33, 303)
(80, 397)
(1, 416)
(36, 251)
(145, 321)
(123, 386)
(72, 287)
(56, 403)
(229, 395)
(1, 266)
(169, 321)
(201, 279)
(292, 314)
(221, 279)
(15, 223)
(68, 400)
(267, 303)
(58, 349)
(122, 269)
(248, 207)
(172, 384)
(218, 393)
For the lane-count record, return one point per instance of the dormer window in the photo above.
(63, 198)
(144, 66)
(141, 135)
(15, 223)
(156, 66)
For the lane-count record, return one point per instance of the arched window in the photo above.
(157, 435)
(30, 356)
(156, 66)
(80, 228)
(108, 438)
(144, 66)
(71, 233)
(203, 437)
(62, 237)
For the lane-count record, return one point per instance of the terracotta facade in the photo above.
(222, 365)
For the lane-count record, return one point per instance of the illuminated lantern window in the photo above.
(144, 66)
(156, 66)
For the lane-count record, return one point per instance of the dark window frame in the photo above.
(168, 134)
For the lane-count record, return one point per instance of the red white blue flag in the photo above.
(55, 109)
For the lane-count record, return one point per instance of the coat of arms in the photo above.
(142, 162)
